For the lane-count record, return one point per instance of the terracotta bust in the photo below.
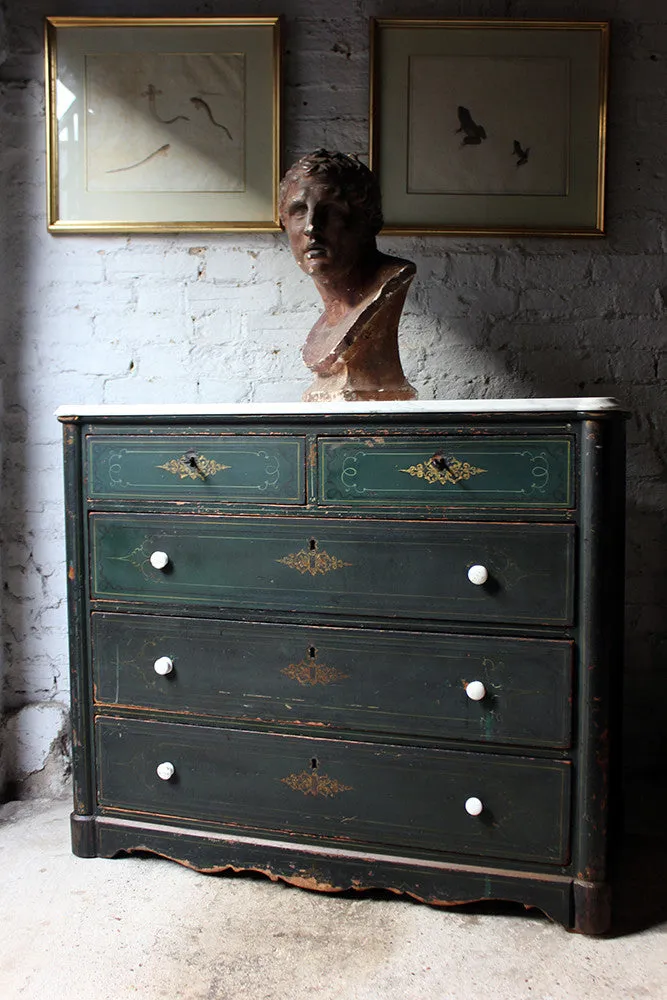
(330, 207)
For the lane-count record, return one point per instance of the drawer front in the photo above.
(384, 682)
(411, 570)
(402, 797)
(447, 471)
(211, 467)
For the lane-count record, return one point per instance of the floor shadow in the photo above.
(639, 900)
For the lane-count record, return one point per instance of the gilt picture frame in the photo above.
(162, 124)
(489, 126)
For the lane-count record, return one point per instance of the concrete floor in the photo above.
(149, 928)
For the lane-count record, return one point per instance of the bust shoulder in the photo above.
(376, 310)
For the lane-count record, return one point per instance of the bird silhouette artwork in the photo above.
(474, 133)
(521, 154)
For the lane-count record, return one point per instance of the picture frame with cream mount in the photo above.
(490, 126)
(162, 124)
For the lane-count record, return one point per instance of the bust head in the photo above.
(331, 209)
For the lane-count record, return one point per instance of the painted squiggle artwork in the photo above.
(165, 122)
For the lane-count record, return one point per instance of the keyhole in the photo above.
(312, 544)
(311, 652)
(439, 462)
(313, 763)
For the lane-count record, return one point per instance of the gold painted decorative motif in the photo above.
(453, 471)
(138, 558)
(311, 561)
(309, 671)
(312, 783)
(193, 467)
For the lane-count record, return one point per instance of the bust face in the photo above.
(327, 238)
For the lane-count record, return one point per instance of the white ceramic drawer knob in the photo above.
(474, 806)
(159, 560)
(475, 690)
(164, 665)
(478, 575)
(166, 769)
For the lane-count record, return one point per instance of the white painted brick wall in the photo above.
(221, 318)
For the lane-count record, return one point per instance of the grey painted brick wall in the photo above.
(221, 318)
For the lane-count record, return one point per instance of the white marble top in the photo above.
(581, 404)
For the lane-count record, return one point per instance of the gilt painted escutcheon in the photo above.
(441, 469)
(308, 672)
(193, 467)
(312, 561)
(313, 783)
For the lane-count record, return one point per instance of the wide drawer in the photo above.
(447, 471)
(403, 797)
(217, 467)
(401, 569)
(413, 684)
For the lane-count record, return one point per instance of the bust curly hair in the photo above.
(356, 184)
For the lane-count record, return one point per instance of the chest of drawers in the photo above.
(351, 647)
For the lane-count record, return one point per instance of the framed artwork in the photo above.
(162, 124)
(490, 126)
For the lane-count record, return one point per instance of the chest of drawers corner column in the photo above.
(351, 647)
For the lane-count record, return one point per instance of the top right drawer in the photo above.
(447, 470)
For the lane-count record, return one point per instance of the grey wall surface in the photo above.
(198, 318)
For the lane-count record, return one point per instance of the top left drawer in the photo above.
(216, 467)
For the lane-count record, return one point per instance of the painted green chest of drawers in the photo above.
(351, 647)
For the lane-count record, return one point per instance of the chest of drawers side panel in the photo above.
(601, 573)
(83, 764)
